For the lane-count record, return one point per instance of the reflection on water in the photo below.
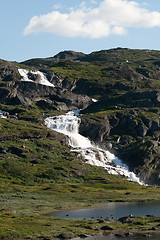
(113, 237)
(113, 210)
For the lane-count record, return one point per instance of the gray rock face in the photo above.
(18, 99)
(8, 73)
(27, 92)
(127, 89)
(142, 99)
(135, 138)
(96, 132)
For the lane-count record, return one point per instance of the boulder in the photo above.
(154, 125)
(106, 227)
(97, 132)
(65, 236)
(126, 219)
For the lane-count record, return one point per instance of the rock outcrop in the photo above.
(132, 136)
(125, 119)
(15, 91)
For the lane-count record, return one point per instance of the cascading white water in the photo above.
(68, 124)
(42, 80)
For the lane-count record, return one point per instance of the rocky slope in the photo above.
(126, 84)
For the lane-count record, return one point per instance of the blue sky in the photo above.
(38, 28)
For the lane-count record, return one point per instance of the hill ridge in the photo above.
(126, 83)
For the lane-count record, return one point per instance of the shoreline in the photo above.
(120, 235)
(95, 205)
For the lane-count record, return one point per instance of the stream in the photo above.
(68, 124)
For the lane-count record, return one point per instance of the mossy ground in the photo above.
(105, 68)
(42, 227)
(24, 208)
(39, 174)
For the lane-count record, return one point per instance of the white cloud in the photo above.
(82, 4)
(93, 1)
(109, 17)
(57, 6)
(118, 30)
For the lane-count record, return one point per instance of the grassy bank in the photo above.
(23, 208)
(39, 174)
(42, 227)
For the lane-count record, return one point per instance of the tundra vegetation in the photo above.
(38, 172)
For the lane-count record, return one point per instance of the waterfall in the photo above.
(42, 78)
(68, 124)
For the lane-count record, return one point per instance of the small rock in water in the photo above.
(128, 234)
(83, 235)
(153, 228)
(119, 235)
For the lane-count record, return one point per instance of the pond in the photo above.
(113, 237)
(113, 210)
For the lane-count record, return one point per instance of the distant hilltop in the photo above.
(125, 86)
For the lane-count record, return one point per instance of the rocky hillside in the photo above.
(126, 83)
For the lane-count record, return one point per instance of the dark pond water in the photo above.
(113, 210)
(113, 237)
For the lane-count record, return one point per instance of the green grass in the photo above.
(24, 208)
(103, 69)
(33, 227)
(39, 174)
